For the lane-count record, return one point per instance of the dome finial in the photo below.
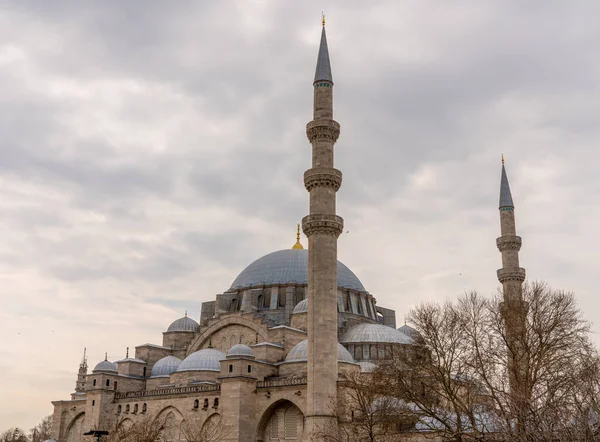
(297, 245)
(127, 353)
(186, 313)
(105, 356)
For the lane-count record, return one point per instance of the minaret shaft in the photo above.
(513, 308)
(322, 227)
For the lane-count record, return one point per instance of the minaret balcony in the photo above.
(508, 242)
(323, 130)
(322, 177)
(511, 274)
(322, 224)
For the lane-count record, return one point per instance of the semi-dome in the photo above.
(105, 366)
(184, 324)
(299, 352)
(165, 366)
(286, 267)
(301, 307)
(369, 333)
(411, 332)
(240, 350)
(206, 359)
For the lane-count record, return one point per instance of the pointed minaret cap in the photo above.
(323, 72)
(506, 200)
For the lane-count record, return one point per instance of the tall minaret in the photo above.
(322, 227)
(513, 308)
(82, 374)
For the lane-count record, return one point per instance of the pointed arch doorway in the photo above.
(283, 421)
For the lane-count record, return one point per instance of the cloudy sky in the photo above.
(150, 150)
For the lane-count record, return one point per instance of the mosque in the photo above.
(265, 359)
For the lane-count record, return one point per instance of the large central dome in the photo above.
(286, 267)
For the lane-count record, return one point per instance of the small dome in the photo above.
(206, 359)
(289, 266)
(363, 333)
(184, 324)
(105, 366)
(165, 366)
(301, 307)
(366, 367)
(299, 352)
(240, 350)
(410, 332)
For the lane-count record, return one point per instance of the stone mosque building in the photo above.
(265, 357)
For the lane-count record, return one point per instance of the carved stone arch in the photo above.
(204, 338)
(124, 424)
(74, 431)
(171, 419)
(276, 414)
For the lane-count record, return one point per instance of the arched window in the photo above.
(127, 408)
(216, 402)
(358, 352)
(230, 368)
(290, 423)
(115, 385)
(196, 404)
(144, 408)
(93, 403)
(94, 383)
(118, 409)
(274, 427)
(144, 375)
(135, 408)
(373, 351)
(259, 302)
(205, 403)
(108, 382)
(249, 368)
(232, 341)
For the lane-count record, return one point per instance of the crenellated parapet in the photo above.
(323, 129)
(324, 224)
(322, 177)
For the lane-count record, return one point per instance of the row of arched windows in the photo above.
(128, 408)
(206, 403)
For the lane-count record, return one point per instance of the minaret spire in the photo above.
(82, 374)
(323, 70)
(322, 227)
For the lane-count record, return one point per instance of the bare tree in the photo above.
(13, 435)
(459, 380)
(148, 429)
(366, 413)
(211, 429)
(42, 431)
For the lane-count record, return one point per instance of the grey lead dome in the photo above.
(299, 352)
(373, 333)
(105, 366)
(184, 324)
(165, 366)
(289, 266)
(207, 359)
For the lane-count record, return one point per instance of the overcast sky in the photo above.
(150, 150)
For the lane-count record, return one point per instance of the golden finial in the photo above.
(186, 313)
(298, 245)
(323, 18)
(503, 159)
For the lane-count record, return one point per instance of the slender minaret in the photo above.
(513, 308)
(322, 227)
(82, 374)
